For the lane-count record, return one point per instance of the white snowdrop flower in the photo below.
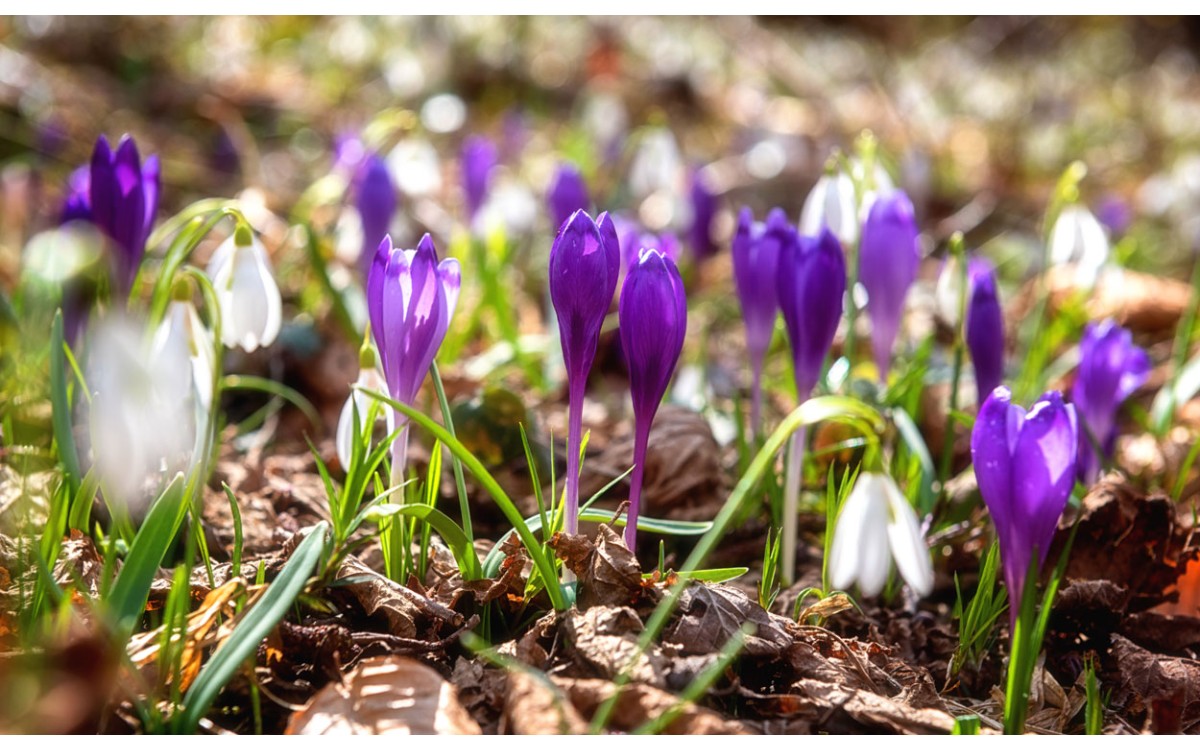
(657, 165)
(1078, 238)
(140, 424)
(831, 204)
(368, 377)
(251, 308)
(182, 338)
(877, 525)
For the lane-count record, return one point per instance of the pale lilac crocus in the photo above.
(1025, 463)
(755, 253)
(410, 300)
(1111, 368)
(584, 266)
(888, 260)
(653, 320)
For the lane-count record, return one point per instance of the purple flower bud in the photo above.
(77, 203)
(410, 299)
(634, 239)
(376, 201)
(1111, 368)
(984, 328)
(584, 265)
(811, 285)
(653, 318)
(888, 259)
(1025, 466)
(704, 211)
(567, 194)
(478, 161)
(124, 200)
(1115, 213)
(755, 269)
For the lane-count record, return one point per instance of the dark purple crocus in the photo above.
(755, 268)
(984, 328)
(585, 262)
(77, 203)
(410, 300)
(568, 194)
(704, 211)
(653, 318)
(1110, 369)
(478, 160)
(376, 201)
(123, 194)
(811, 284)
(1025, 467)
(888, 259)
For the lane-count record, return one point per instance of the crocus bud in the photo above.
(376, 201)
(1111, 368)
(984, 328)
(888, 259)
(478, 161)
(653, 318)
(811, 286)
(124, 199)
(567, 194)
(1078, 239)
(1025, 467)
(704, 211)
(877, 524)
(251, 308)
(831, 205)
(77, 203)
(410, 300)
(634, 238)
(755, 269)
(584, 265)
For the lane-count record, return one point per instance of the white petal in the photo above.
(274, 301)
(345, 432)
(859, 513)
(908, 546)
(220, 258)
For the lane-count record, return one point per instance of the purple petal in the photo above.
(888, 259)
(653, 323)
(984, 330)
(376, 202)
(583, 277)
(567, 194)
(811, 285)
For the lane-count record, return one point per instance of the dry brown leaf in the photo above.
(385, 695)
(609, 574)
(868, 709)
(641, 703)
(403, 608)
(605, 640)
(537, 706)
(1164, 689)
(709, 615)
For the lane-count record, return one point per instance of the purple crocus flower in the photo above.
(653, 318)
(704, 211)
(410, 300)
(634, 238)
(1115, 213)
(568, 194)
(1110, 369)
(376, 201)
(478, 161)
(888, 259)
(584, 265)
(77, 203)
(1025, 466)
(984, 328)
(755, 268)
(811, 284)
(123, 194)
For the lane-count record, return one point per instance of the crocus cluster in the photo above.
(410, 300)
(755, 251)
(585, 262)
(653, 318)
(1025, 463)
(888, 259)
(876, 525)
(1111, 368)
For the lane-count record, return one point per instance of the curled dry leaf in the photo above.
(641, 703)
(385, 695)
(605, 640)
(534, 705)
(403, 608)
(1164, 690)
(710, 615)
(609, 574)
